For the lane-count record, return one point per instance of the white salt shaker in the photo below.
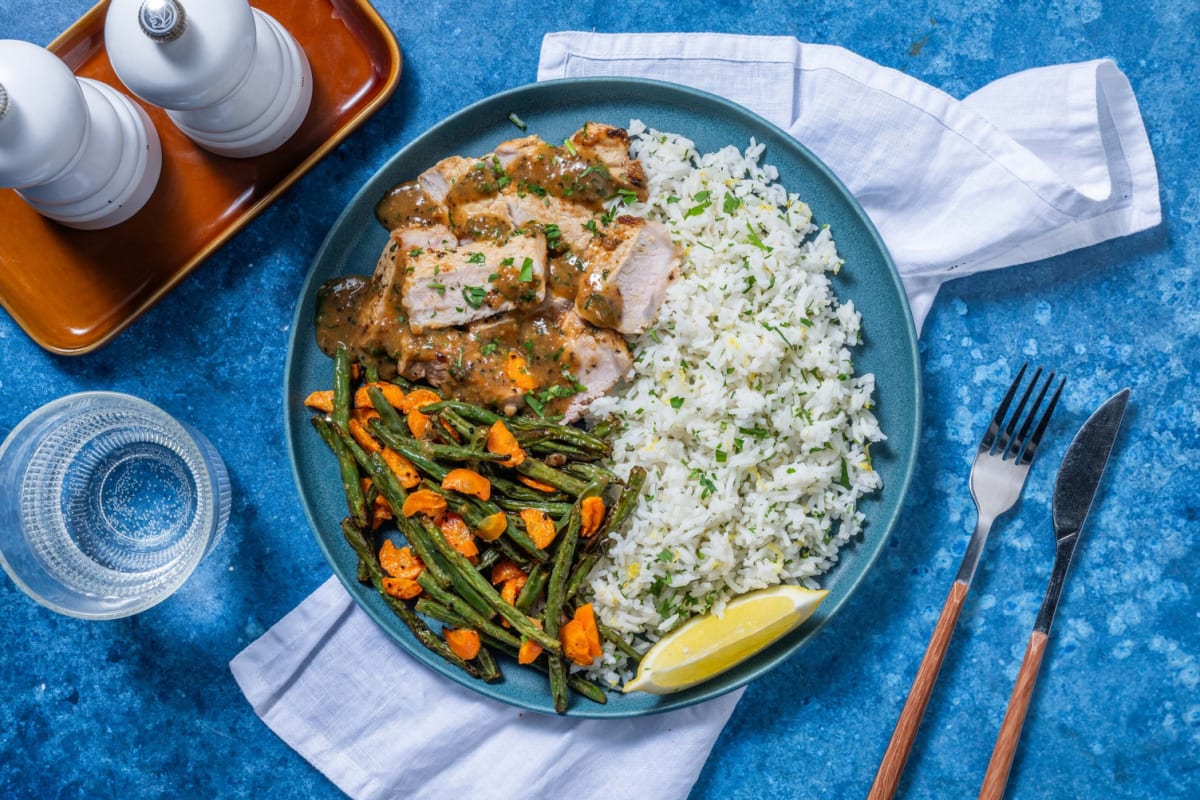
(230, 77)
(76, 150)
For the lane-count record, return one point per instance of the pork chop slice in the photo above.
(431, 237)
(513, 151)
(380, 316)
(445, 288)
(600, 359)
(609, 145)
(438, 180)
(572, 222)
(629, 267)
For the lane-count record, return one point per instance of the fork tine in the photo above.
(1031, 446)
(1021, 437)
(1004, 446)
(989, 437)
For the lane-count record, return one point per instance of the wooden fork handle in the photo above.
(892, 765)
(996, 777)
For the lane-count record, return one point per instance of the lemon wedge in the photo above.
(706, 646)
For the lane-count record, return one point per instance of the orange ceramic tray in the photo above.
(72, 291)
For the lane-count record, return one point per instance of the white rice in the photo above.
(743, 405)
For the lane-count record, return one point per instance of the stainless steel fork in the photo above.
(997, 477)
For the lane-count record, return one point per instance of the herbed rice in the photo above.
(743, 405)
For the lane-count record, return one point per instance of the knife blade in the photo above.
(1075, 489)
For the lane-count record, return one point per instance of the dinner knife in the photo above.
(1074, 489)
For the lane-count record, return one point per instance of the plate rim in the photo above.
(766, 660)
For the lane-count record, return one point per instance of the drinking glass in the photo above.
(107, 504)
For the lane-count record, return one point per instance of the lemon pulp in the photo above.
(708, 645)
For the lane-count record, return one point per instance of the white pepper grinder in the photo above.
(76, 150)
(230, 77)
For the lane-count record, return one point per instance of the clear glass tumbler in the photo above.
(107, 504)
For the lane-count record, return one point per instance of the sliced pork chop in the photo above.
(600, 358)
(571, 220)
(629, 267)
(379, 317)
(432, 237)
(438, 180)
(610, 146)
(447, 288)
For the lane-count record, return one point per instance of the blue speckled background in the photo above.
(146, 707)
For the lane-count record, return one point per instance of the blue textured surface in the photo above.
(146, 707)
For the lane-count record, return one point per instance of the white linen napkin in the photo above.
(1030, 166)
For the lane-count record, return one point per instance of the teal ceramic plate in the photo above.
(554, 110)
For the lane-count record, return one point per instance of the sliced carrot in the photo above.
(517, 370)
(321, 401)
(586, 616)
(464, 642)
(506, 569)
(501, 442)
(400, 562)
(534, 484)
(406, 473)
(458, 534)
(575, 643)
(381, 512)
(365, 440)
(528, 651)
(391, 392)
(449, 430)
(591, 515)
(419, 398)
(510, 590)
(492, 526)
(364, 415)
(539, 527)
(468, 481)
(424, 501)
(418, 423)
(401, 588)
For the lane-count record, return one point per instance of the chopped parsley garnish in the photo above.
(628, 196)
(474, 295)
(753, 238)
(416, 251)
(756, 432)
(730, 204)
(476, 258)
(844, 478)
(676, 403)
(489, 348)
(440, 288)
(703, 203)
(707, 485)
(526, 275)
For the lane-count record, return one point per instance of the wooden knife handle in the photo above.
(892, 765)
(996, 777)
